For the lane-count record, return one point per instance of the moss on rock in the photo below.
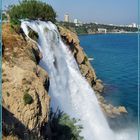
(27, 99)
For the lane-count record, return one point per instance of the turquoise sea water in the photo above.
(116, 63)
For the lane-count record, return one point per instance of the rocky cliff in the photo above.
(88, 72)
(25, 84)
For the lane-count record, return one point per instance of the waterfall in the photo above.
(69, 90)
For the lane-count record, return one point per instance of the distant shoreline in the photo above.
(109, 33)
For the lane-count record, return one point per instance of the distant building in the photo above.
(75, 21)
(102, 30)
(123, 25)
(134, 25)
(66, 18)
(80, 23)
(130, 25)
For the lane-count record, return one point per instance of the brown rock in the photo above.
(84, 69)
(69, 35)
(99, 86)
(10, 138)
(80, 56)
(115, 111)
(21, 75)
(122, 109)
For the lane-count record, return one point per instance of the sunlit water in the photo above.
(68, 89)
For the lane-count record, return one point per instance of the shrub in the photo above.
(4, 17)
(27, 99)
(85, 60)
(64, 127)
(7, 94)
(31, 9)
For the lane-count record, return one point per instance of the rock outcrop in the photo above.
(22, 75)
(88, 72)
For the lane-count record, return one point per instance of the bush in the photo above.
(31, 9)
(4, 17)
(64, 127)
(27, 99)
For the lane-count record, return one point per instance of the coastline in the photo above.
(108, 33)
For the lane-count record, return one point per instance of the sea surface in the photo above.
(116, 64)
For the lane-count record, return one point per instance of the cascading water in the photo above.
(68, 89)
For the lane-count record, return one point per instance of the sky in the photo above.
(100, 11)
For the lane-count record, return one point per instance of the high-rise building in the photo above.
(66, 18)
(75, 21)
(134, 25)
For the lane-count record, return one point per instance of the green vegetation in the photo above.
(31, 9)
(4, 17)
(8, 94)
(27, 99)
(81, 30)
(64, 127)
(9, 129)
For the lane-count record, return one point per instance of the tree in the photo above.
(31, 9)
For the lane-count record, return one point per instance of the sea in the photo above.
(116, 64)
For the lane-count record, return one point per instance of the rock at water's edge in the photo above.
(88, 72)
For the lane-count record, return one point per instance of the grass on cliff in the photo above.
(27, 99)
(63, 127)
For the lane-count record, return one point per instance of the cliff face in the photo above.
(25, 99)
(88, 72)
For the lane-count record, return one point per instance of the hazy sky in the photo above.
(101, 11)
